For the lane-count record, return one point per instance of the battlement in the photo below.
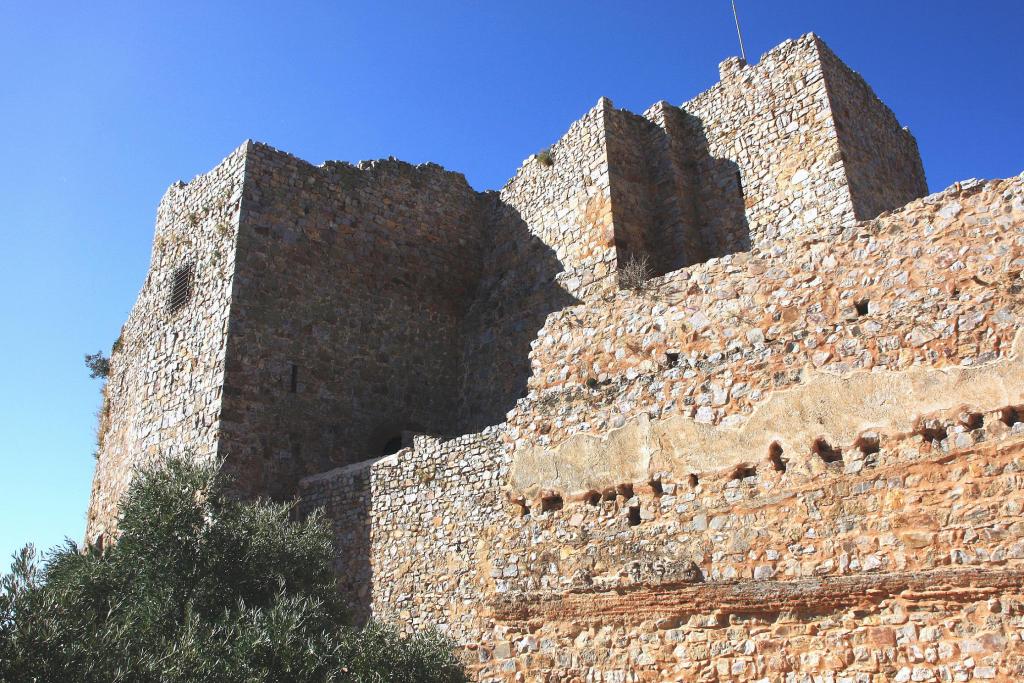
(510, 442)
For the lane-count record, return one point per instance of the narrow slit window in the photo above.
(293, 380)
(181, 288)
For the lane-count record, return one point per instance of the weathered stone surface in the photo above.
(836, 408)
(795, 455)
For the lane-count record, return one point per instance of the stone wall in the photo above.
(414, 528)
(517, 290)
(386, 299)
(656, 191)
(714, 339)
(795, 454)
(882, 163)
(880, 541)
(772, 124)
(908, 567)
(353, 283)
(164, 391)
(676, 148)
(563, 197)
(812, 145)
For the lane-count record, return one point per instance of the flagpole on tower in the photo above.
(736, 17)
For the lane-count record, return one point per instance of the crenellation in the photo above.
(795, 453)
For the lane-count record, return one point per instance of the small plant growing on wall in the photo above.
(224, 229)
(635, 274)
(98, 364)
(544, 158)
(425, 474)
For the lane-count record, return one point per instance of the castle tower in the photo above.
(296, 317)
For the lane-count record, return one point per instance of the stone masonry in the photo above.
(795, 453)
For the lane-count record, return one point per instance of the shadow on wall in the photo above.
(674, 204)
(516, 293)
(720, 199)
(352, 543)
(392, 436)
(688, 206)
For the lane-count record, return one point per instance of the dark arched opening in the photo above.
(391, 437)
(392, 445)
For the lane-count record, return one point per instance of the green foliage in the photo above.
(199, 587)
(544, 158)
(98, 364)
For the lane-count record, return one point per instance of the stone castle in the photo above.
(794, 453)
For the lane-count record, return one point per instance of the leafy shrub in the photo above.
(199, 587)
(544, 158)
(98, 364)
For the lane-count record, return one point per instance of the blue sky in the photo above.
(103, 105)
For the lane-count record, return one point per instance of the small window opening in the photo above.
(592, 498)
(862, 307)
(672, 359)
(973, 421)
(392, 445)
(293, 381)
(657, 488)
(181, 288)
(826, 452)
(634, 515)
(775, 457)
(693, 480)
(1009, 416)
(933, 430)
(744, 471)
(551, 503)
(608, 495)
(625, 490)
(868, 444)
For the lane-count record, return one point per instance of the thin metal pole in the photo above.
(743, 53)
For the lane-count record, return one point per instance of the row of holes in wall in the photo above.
(868, 445)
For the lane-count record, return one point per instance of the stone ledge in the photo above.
(802, 596)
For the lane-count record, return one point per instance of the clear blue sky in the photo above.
(103, 105)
